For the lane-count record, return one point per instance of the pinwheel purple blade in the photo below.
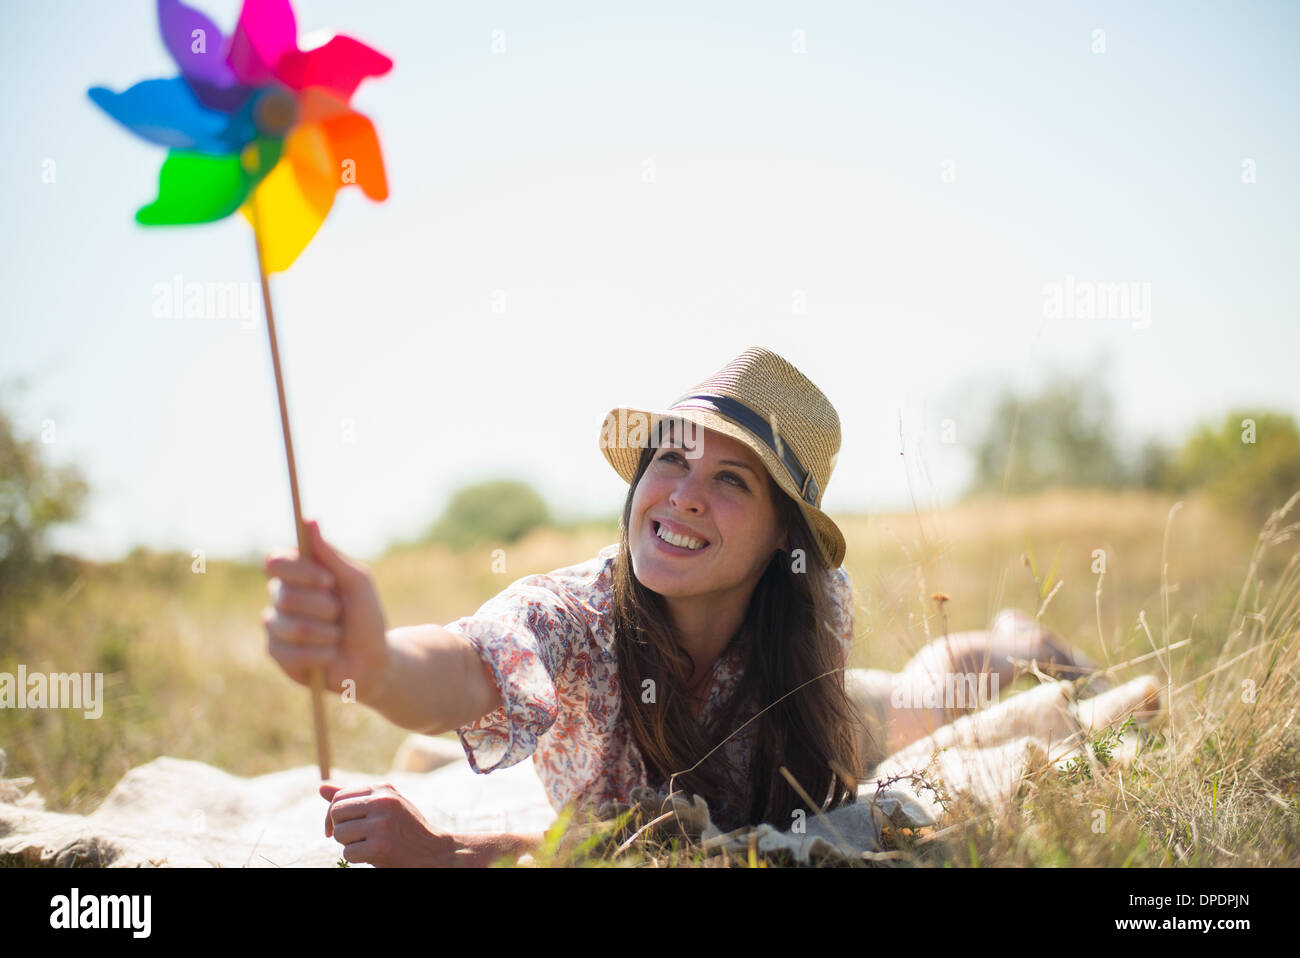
(196, 44)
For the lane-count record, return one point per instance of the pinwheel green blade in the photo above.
(200, 188)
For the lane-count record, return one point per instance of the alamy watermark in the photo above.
(57, 690)
(1075, 299)
(631, 429)
(181, 300)
(949, 690)
(75, 910)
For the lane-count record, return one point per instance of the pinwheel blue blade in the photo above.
(168, 113)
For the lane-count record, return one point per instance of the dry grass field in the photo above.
(186, 673)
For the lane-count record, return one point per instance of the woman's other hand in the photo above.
(377, 824)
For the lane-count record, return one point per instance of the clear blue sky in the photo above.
(920, 173)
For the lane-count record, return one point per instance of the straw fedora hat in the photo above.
(759, 399)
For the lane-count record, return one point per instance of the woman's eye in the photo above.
(735, 479)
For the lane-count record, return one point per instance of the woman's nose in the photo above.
(687, 495)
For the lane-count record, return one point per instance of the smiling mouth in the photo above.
(675, 542)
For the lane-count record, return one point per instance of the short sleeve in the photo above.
(525, 634)
(842, 599)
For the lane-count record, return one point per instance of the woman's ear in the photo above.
(782, 543)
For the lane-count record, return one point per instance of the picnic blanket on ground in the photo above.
(173, 812)
(177, 812)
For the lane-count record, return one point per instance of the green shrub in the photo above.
(1062, 436)
(502, 510)
(33, 497)
(1250, 462)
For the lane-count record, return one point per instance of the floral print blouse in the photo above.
(549, 640)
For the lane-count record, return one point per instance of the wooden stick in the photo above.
(304, 541)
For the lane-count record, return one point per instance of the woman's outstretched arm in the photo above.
(326, 613)
(433, 681)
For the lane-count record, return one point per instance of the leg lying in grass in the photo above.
(956, 675)
(1045, 713)
(984, 755)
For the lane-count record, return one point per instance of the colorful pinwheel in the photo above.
(254, 122)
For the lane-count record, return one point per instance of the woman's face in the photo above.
(721, 500)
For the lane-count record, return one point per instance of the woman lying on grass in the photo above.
(725, 600)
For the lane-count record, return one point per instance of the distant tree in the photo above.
(1153, 465)
(1249, 461)
(33, 497)
(502, 510)
(1065, 435)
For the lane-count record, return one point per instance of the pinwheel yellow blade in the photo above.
(287, 216)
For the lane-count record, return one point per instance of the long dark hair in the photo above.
(785, 640)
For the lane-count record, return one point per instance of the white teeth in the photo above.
(685, 542)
